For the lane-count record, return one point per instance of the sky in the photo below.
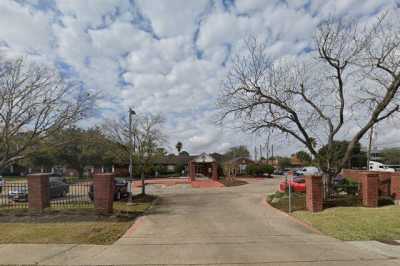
(168, 56)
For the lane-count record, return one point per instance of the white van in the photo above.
(376, 166)
(309, 170)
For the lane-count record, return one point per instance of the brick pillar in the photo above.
(395, 186)
(370, 183)
(38, 191)
(192, 170)
(214, 173)
(104, 192)
(314, 193)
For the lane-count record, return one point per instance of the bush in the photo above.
(259, 169)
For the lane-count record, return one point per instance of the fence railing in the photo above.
(14, 195)
(347, 194)
(70, 194)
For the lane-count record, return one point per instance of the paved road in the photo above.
(219, 226)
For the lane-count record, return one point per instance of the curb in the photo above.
(294, 219)
(139, 220)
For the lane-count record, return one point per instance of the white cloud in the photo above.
(146, 53)
(172, 17)
(24, 29)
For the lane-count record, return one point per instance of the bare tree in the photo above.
(352, 75)
(147, 138)
(34, 104)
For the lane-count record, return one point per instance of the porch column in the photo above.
(214, 171)
(192, 170)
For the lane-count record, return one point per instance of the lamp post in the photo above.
(145, 157)
(131, 113)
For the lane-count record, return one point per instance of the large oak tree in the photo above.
(348, 83)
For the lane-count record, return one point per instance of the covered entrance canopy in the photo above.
(204, 165)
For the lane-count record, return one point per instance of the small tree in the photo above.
(238, 151)
(304, 157)
(179, 146)
(268, 169)
(147, 136)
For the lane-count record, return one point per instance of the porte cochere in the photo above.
(203, 166)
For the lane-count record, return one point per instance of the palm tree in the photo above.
(179, 146)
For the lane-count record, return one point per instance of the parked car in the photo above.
(57, 189)
(309, 170)
(377, 166)
(57, 177)
(2, 183)
(297, 184)
(120, 189)
(18, 194)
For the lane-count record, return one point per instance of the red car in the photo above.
(298, 184)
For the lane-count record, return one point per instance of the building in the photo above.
(237, 166)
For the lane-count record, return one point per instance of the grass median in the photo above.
(68, 225)
(356, 223)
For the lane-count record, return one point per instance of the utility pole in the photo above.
(272, 151)
(260, 152)
(255, 153)
(131, 113)
(371, 133)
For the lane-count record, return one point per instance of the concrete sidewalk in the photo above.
(216, 226)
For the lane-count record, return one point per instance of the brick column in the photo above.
(395, 186)
(314, 193)
(192, 170)
(370, 183)
(38, 191)
(214, 173)
(104, 192)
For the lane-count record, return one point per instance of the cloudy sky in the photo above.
(166, 56)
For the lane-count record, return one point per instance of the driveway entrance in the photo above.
(211, 226)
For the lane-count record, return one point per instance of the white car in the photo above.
(377, 166)
(309, 170)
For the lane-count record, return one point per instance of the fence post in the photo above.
(314, 193)
(38, 191)
(104, 192)
(370, 184)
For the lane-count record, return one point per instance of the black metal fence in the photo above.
(14, 195)
(71, 194)
(345, 194)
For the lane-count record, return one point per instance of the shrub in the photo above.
(259, 169)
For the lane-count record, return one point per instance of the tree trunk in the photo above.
(142, 179)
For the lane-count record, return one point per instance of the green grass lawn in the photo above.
(68, 226)
(356, 223)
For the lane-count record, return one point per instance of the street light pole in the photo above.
(131, 112)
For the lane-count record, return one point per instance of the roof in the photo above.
(175, 159)
(240, 160)
(204, 158)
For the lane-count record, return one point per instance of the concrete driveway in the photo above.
(219, 226)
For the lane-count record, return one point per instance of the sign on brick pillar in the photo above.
(370, 183)
(214, 174)
(104, 192)
(38, 191)
(314, 193)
